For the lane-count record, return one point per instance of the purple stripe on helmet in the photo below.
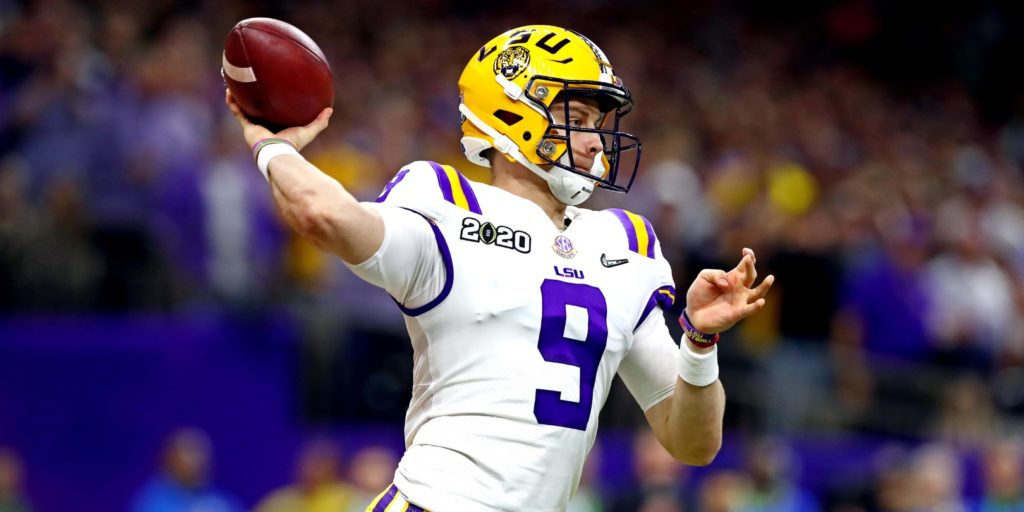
(449, 272)
(630, 229)
(651, 239)
(391, 184)
(474, 205)
(442, 181)
(386, 499)
(657, 299)
(414, 508)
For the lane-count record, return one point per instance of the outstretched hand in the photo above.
(299, 136)
(717, 299)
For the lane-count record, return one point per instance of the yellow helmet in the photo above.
(507, 92)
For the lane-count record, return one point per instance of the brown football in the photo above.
(276, 73)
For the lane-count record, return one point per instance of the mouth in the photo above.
(584, 167)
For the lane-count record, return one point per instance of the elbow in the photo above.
(315, 219)
(698, 454)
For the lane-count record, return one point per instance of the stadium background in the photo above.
(870, 151)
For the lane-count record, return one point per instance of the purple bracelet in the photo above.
(699, 338)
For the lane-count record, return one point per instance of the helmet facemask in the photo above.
(618, 146)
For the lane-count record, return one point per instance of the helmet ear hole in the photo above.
(527, 135)
(509, 118)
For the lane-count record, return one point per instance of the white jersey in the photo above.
(518, 329)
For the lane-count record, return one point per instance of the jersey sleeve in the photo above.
(430, 188)
(656, 275)
(649, 368)
(412, 263)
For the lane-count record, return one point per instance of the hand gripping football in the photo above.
(276, 73)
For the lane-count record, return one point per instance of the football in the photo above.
(276, 73)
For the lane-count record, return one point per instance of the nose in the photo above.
(590, 143)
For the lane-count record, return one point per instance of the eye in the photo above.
(575, 122)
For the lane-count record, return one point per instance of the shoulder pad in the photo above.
(639, 232)
(452, 185)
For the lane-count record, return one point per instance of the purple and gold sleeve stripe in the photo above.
(391, 500)
(639, 232)
(384, 499)
(663, 297)
(456, 188)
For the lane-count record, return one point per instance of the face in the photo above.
(10, 473)
(583, 113)
(318, 464)
(187, 458)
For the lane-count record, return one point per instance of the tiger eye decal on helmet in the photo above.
(512, 61)
(528, 73)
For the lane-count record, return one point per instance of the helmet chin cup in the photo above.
(571, 188)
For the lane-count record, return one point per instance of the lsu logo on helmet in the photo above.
(512, 61)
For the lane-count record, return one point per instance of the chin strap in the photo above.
(568, 187)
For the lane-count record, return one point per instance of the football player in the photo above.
(520, 305)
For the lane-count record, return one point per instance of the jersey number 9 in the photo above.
(555, 347)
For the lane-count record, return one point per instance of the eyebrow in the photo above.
(586, 110)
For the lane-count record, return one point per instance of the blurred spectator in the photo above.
(883, 294)
(659, 479)
(318, 487)
(973, 298)
(17, 226)
(371, 472)
(242, 232)
(891, 486)
(65, 269)
(184, 485)
(967, 417)
(935, 482)
(722, 492)
(1004, 477)
(773, 486)
(11, 474)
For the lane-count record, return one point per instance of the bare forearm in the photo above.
(312, 203)
(319, 208)
(689, 423)
(694, 424)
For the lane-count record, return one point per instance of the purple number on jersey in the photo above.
(391, 184)
(556, 296)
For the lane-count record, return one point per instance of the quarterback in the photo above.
(522, 306)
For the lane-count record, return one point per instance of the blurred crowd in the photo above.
(930, 477)
(879, 179)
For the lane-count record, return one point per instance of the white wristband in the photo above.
(268, 152)
(697, 369)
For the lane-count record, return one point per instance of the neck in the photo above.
(522, 182)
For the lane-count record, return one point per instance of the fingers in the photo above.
(234, 108)
(746, 271)
(752, 308)
(230, 101)
(745, 268)
(749, 270)
(748, 251)
(715, 277)
(303, 135)
(325, 116)
(762, 289)
(322, 120)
